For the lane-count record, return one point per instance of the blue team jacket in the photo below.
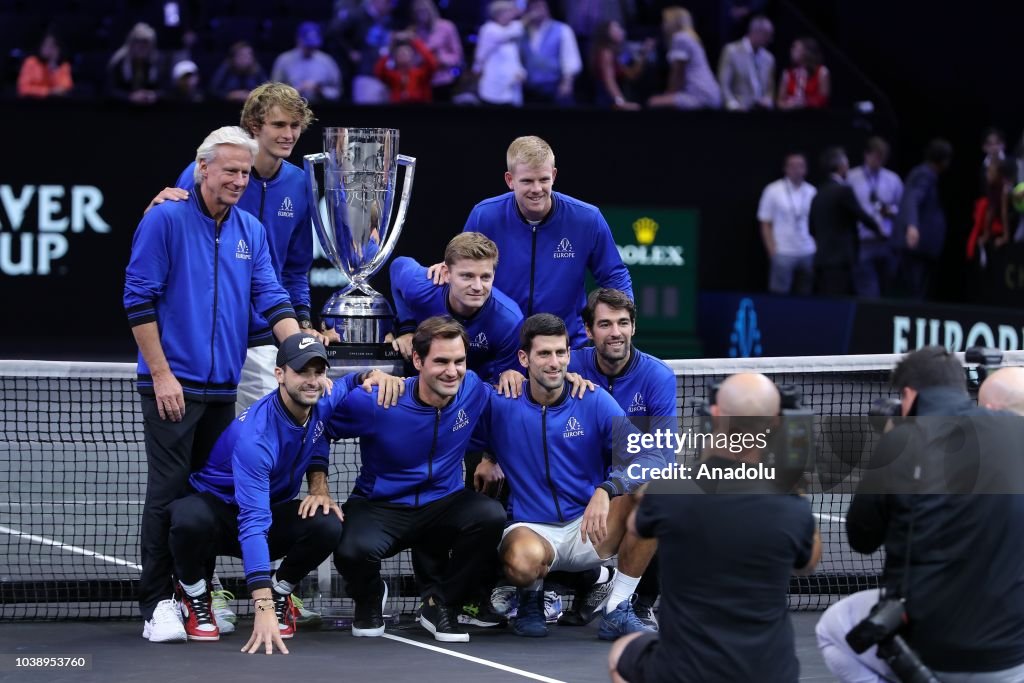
(542, 268)
(259, 461)
(198, 283)
(645, 389)
(281, 204)
(554, 457)
(493, 331)
(411, 453)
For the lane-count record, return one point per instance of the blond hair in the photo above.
(678, 19)
(265, 97)
(472, 246)
(529, 150)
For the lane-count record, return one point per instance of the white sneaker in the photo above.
(552, 606)
(222, 613)
(166, 625)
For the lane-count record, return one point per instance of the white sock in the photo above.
(283, 587)
(603, 576)
(623, 587)
(196, 589)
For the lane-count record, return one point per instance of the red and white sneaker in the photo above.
(286, 614)
(198, 616)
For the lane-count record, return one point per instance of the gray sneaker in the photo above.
(589, 605)
(645, 612)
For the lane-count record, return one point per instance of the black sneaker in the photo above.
(368, 620)
(442, 622)
(480, 614)
(589, 605)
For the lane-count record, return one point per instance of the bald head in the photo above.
(748, 394)
(1003, 390)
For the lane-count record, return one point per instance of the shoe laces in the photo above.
(531, 608)
(281, 607)
(297, 601)
(630, 617)
(200, 606)
(167, 611)
(221, 598)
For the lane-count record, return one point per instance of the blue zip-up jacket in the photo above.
(411, 453)
(198, 283)
(259, 461)
(645, 389)
(543, 267)
(281, 204)
(493, 330)
(556, 456)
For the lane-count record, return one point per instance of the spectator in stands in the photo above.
(807, 83)
(994, 216)
(46, 73)
(691, 85)
(993, 146)
(442, 38)
(360, 37)
(729, 550)
(408, 69)
(185, 83)
(746, 69)
(879, 192)
(614, 66)
(550, 56)
(309, 70)
(497, 56)
(834, 215)
(783, 213)
(237, 75)
(920, 230)
(586, 16)
(136, 72)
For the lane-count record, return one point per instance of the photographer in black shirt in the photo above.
(938, 494)
(727, 549)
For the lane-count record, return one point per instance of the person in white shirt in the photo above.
(497, 56)
(782, 212)
(879, 191)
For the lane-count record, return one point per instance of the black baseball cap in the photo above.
(299, 349)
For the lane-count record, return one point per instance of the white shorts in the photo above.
(257, 376)
(571, 553)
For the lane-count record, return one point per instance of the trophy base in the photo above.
(362, 352)
(361, 318)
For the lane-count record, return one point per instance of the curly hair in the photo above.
(265, 97)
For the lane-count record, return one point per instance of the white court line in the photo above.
(70, 548)
(831, 518)
(477, 660)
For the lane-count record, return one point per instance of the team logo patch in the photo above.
(638, 405)
(564, 249)
(479, 342)
(461, 420)
(572, 428)
(318, 431)
(286, 210)
(242, 251)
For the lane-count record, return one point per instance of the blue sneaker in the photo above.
(530, 620)
(620, 621)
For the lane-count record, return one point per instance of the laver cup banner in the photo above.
(659, 246)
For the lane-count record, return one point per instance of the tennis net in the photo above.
(73, 472)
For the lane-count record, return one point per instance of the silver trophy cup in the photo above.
(360, 169)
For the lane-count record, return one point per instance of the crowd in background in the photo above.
(379, 51)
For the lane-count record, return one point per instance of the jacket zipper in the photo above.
(547, 461)
(430, 456)
(213, 329)
(263, 198)
(533, 267)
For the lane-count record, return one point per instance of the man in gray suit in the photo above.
(746, 70)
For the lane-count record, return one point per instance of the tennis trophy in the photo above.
(360, 172)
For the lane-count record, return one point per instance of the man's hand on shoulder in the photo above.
(579, 386)
(171, 194)
(391, 387)
(438, 273)
(510, 383)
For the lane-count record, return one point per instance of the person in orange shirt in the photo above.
(408, 78)
(46, 74)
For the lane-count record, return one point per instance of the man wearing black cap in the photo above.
(243, 502)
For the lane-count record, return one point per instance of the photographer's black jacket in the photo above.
(965, 594)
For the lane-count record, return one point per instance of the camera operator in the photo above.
(952, 580)
(727, 549)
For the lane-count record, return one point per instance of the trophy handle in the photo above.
(403, 206)
(309, 163)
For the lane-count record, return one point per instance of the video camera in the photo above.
(881, 627)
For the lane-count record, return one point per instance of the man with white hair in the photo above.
(1003, 390)
(196, 267)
